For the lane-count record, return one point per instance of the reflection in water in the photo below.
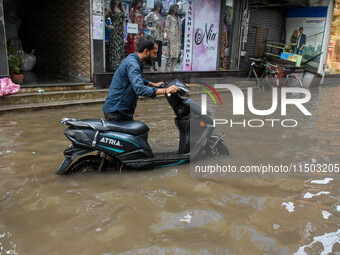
(165, 211)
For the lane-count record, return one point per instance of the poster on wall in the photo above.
(98, 27)
(206, 35)
(305, 32)
(150, 4)
(98, 7)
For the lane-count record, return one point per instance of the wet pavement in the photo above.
(166, 211)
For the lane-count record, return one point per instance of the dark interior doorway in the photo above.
(59, 33)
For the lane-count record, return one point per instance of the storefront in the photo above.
(274, 32)
(69, 36)
(207, 32)
(220, 35)
(333, 57)
(207, 36)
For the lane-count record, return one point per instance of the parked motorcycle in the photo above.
(99, 145)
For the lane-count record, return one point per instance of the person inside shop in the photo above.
(128, 82)
(224, 45)
(157, 31)
(117, 34)
(107, 42)
(301, 42)
(136, 17)
(293, 41)
(173, 29)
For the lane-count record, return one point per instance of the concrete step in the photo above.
(48, 105)
(55, 87)
(34, 101)
(44, 97)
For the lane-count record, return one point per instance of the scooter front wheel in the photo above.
(222, 148)
(87, 164)
(216, 147)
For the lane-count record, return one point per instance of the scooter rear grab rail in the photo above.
(81, 123)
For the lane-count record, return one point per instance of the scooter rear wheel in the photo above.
(86, 164)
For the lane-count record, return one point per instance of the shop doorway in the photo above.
(3, 52)
(56, 33)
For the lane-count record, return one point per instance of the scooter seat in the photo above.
(130, 127)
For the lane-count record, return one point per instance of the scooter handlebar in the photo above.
(183, 89)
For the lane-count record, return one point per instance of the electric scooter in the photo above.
(100, 145)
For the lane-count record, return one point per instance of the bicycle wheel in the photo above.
(269, 81)
(292, 81)
(249, 78)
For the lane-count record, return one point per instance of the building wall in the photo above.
(59, 31)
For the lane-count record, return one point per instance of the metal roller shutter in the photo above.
(273, 20)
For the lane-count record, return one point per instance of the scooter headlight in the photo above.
(78, 135)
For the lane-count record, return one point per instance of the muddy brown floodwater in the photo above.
(167, 211)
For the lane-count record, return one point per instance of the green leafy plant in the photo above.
(14, 64)
(13, 59)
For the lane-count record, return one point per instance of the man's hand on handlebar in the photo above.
(172, 89)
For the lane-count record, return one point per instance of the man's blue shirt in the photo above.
(127, 84)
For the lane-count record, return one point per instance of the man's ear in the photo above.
(146, 51)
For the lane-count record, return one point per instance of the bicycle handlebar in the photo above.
(263, 61)
(256, 59)
(271, 64)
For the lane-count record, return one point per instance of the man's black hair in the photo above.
(146, 42)
(301, 28)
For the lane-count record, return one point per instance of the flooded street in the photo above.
(167, 211)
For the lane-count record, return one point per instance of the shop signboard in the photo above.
(188, 36)
(312, 20)
(206, 35)
(292, 58)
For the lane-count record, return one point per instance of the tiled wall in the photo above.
(59, 31)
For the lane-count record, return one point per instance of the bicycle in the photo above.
(268, 79)
(290, 80)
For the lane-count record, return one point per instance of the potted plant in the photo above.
(14, 65)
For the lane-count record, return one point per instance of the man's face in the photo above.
(151, 55)
(301, 30)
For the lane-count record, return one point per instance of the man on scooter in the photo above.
(128, 82)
